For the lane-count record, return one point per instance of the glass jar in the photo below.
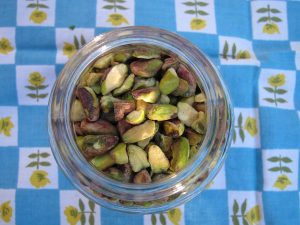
(167, 193)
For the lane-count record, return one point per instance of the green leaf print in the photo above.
(121, 7)
(275, 169)
(82, 219)
(234, 135)
(286, 169)
(242, 134)
(274, 159)
(281, 91)
(92, 206)
(108, 7)
(42, 87)
(76, 43)
(45, 164)
(281, 100)
(233, 51)
(235, 207)
(91, 219)
(153, 219)
(202, 13)
(44, 154)
(269, 100)
(286, 160)
(82, 40)
(270, 27)
(32, 164)
(235, 220)
(189, 3)
(32, 156)
(240, 119)
(36, 81)
(81, 205)
(190, 11)
(225, 50)
(245, 222)
(201, 3)
(162, 219)
(268, 89)
(244, 207)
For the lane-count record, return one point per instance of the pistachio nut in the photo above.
(180, 153)
(97, 127)
(79, 142)
(169, 82)
(137, 158)
(136, 117)
(146, 67)
(98, 144)
(115, 173)
(164, 99)
(200, 98)
(144, 52)
(127, 172)
(182, 88)
(77, 111)
(122, 56)
(185, 74)
(173, 128)
(186, 113)
(149, 94)
(107, 103)
(143, 82)
(141, 105)
(170, 62)
(188, 100)
(161, 112)
(119, 154)
(144, 142)
(158, 161)
(140, 132)
(164, 142)
(93, 81)
(114, 78)
(77, 128)
(102, 162)
(89, 102)
(193, 137)
(121, 108)
(142, 177)
(199, 106)
(104, 61)
(123, 126)
(126, 86)
(199, 124)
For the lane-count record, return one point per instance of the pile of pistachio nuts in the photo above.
(138, 114)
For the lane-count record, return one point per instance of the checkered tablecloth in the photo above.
(256, 45)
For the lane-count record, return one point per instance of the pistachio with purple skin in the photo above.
(182, 88)
(89, 102)
(121, 108)
(144, 52)
(170, 62)
(193, 137)
(185, 74)
(142, 177)
(98, 144)
(97, 127)
(173, 128)
(77, 111)
(146, 67)
(123, 126)
(164, 142)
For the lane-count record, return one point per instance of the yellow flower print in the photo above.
(197, 24)
(72, 214)
(243, 55)
(174, 216)
(69, 50)
(38, 16)
(117, 19)
(5, 46)
(282, 182)
(6, 125)
(250, 126)
(253, 216)
(277, 80)
(271, 28)
(36, 79)
(39, 178)
(6, 211)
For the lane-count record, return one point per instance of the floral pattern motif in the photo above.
(249, 125)
(37, 16)
(270, 19)
(74, 215)
(36, 81)
(69, 49)
(174, 216)
(5, 46)
(250, 217)
(5, 126)
(241, 54)
(39, 178)
(5, 212)
(276, 81)
(116, 19)
(196, 23)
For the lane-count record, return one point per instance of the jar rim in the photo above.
(129, 35)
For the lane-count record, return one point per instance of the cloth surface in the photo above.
(255, 44)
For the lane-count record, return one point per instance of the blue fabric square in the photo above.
(33, 126)
(156, 13)
(9, 167)
(241, 82)
(293, 7)
(230, 22)
(297, 91)
(117, 218)
(281, 208)
(42, 43)
(8, 93)
(74, 12)
(210, 207)
(37, 207)
(63, 182)
(244, 169)
(208, 43)
(8, 13)
(279, 128)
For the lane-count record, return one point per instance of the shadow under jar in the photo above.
(174, 189)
